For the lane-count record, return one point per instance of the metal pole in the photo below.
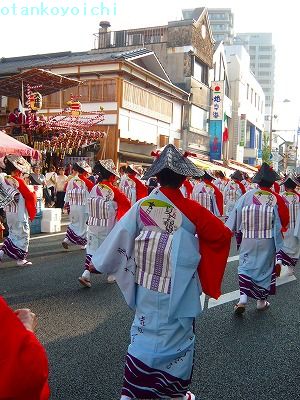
(271, 126)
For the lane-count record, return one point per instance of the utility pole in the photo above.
(271, 126)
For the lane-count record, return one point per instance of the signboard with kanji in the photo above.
(216, 109)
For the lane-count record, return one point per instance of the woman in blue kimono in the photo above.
(261, 217)
(290, 252)
(153, 251)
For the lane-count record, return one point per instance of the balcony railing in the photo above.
(133, 37)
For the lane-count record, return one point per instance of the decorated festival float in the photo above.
(69, 136)
(64, 137)
(48, 140)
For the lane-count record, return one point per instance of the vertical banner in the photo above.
(216, 118)
(243, 128)
(215, 142)
(216, 109)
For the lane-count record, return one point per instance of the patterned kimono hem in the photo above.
(144, 382)
(251, 289)
(286, 259)
(73, 238)
(13, 251)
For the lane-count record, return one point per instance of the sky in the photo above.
(69, 25)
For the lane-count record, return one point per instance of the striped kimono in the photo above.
(232, 193)
(102, 211)
(154, 255)
(256, 217)
(128, 187)
(204, 195)
(16, 244)
(76, 196)
(290, 252)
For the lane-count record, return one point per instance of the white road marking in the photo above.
(231, 296)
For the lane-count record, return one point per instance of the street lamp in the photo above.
(271, 120)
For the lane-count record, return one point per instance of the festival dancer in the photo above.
(106, 205)
(133, 187)
(262, 217)
(233, 191)
(221, 180)
(154, 254)
(76, 198)
(290, 252)
(208, 195)
(19, 211)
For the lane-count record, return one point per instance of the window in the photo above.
(264, 73)
(104, 90)
(200, 72)
(265, 82)
(252, 48)
(198, 118)
(266, 48)
(263, 57)
(265, 65)
(52, 100)
(251, 100)
(84, 92)
(255, 100)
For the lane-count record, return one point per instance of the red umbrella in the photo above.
(9, 145)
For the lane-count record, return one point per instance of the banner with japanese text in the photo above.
(216, 109)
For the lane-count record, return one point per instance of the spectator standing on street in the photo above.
(50, 179)
(37, 178)
(60, 188)
(154, 254)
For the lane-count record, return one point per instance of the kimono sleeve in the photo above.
(234, 219)
(214, 242)
(116, 254)
(23, 360)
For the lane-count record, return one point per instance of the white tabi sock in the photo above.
(261, 303)
(243, 299)
(1, 254)
(87, 275)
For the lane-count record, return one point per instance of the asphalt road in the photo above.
(86, 332)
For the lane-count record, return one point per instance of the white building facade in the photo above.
(248, 108)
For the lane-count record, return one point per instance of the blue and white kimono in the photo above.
(156, 270)
(256, 217)
(76, 196)
(290, 252)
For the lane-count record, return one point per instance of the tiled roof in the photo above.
(9, 66)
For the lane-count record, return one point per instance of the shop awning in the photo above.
(49, 82)
(207, 165)
(9, 145)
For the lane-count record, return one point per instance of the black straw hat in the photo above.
(108, 165)
(266, 173)
(174, 160)
(237, 175)
(208, 176)
(291, 180)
